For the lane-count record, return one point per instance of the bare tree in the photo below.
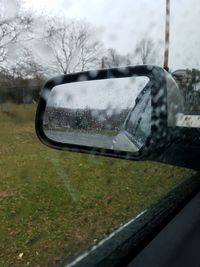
(74, 45)
(114, 59)
(26, 66)
(12, 28)
(146, 51)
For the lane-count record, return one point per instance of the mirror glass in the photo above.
(111, 113)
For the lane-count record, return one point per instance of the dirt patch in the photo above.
(9, 113)
(7, 194)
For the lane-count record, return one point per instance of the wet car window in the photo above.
(56, 204)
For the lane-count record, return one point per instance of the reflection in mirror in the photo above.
(99, 113)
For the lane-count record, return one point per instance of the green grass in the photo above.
(55, 204)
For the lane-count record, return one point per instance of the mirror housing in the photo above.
(157, 86)
(169, 141)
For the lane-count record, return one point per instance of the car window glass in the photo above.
(55, 204)
(187, 109)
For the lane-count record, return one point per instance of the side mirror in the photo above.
(125, 113)
(95, 112)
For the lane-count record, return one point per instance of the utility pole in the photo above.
(167, 35)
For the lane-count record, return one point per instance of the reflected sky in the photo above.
(99, 94)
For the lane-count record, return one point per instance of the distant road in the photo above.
(84, 139)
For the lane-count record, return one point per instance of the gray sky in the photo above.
(123, 23)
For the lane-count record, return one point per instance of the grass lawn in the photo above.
(55, 204)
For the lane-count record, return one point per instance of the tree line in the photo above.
(84, 119)
(34, 47)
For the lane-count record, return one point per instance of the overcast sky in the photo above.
(123, 23)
